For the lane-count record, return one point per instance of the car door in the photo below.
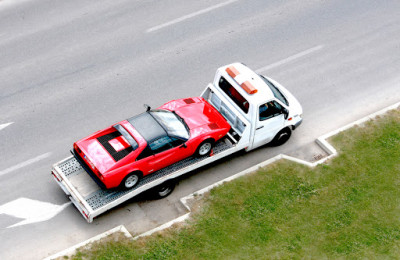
(166, 151)
(270, 121)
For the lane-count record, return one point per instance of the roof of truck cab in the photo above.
(263, 93)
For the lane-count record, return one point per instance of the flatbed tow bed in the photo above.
(91, 200)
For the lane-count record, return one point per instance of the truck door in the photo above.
(270, 121)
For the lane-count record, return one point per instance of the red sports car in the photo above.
(120, 155)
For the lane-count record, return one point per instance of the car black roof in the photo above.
(147, 126)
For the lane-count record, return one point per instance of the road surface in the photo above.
(69, 68)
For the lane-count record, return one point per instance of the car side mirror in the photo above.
(183, 145)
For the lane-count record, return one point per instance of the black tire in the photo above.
(281, 137)
(205, 148)
(163, 190)
(131, 180)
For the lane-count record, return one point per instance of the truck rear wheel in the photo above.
(163, 190)
(131, 180)
(281, 137)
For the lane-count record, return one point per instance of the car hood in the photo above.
(197, 113)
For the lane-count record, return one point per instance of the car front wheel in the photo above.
(204, 148)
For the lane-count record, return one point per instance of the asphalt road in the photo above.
(69, 68)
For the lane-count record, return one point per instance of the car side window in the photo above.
(144, 154)
(161, 144)
(176, 142)
(269, 110)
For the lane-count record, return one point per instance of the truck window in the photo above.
(229, 90)
(269, 110)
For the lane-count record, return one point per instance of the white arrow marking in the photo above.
(31, 211)
(5, 125)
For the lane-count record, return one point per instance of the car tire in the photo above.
(163, 190)
(205, 148)
(281, 137)
(131, 180)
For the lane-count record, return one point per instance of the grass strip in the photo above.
(347, 208)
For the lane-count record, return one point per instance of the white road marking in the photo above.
(7, 3)
(5, 125)
(290, 59)
(183, 18)
(31, 211)
(23, 164)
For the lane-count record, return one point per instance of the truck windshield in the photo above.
(172, 123)
(277, 93)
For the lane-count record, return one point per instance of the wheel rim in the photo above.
(164, 191)
(131, 181)
(204, 148)
(283, 137)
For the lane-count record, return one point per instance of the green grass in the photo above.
(347, 208)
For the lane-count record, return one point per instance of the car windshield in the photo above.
(172, 123)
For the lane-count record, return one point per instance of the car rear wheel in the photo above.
(130, 181)
(204, 148)
(281, 137)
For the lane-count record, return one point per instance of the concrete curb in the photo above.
(72, 250)
(322, 141)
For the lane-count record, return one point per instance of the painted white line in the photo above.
(31, 211)
(5, 125)
(183, 18)
(24, 164)
(290, 59)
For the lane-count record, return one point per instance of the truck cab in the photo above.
(259, 109)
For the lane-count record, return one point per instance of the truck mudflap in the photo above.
(91, 200)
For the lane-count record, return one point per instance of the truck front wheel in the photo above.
(131, 180)
(281, 137)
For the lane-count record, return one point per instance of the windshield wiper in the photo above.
(182, 120)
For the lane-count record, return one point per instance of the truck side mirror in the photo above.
(285, 113)
(147, 107)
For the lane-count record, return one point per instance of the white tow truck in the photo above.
(259, 110)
